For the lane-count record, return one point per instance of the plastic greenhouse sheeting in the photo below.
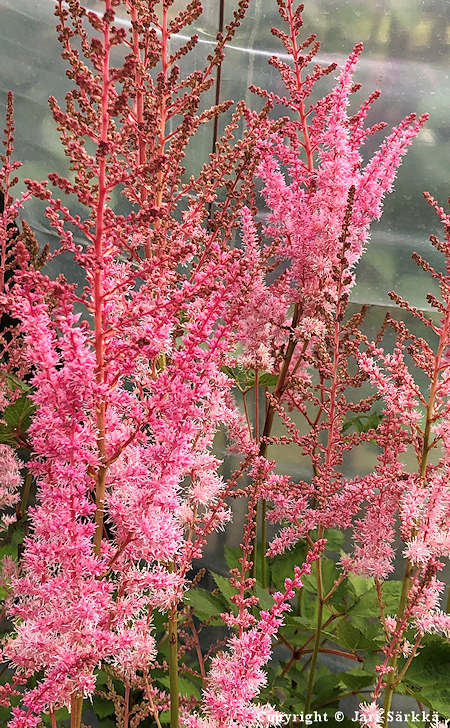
(405, 56)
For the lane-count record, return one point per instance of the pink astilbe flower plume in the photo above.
(423, 496)
(320, 199)
(126, 372)
(236, 676)
(10, 478)
(308, 169)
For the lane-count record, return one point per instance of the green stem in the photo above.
(173, 667)
(389, 692)
(126, 705)
(270, 414)
(76, 710)
(25, 494)
(391, 682)
(315, 654)
(262, 555)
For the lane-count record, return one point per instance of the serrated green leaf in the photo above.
(357, 679)
(330, 573)
(391, 595)
(429, 674)
(264, 596)
(185, 686)
(102, 707)
(283, 566)
(100, 678)
(327, 687)
(360, 584)
(11, 547)
(232, 556)
(206, 606)
(334, 538)
(246, 379)
(13, 383)
(357, 636)
(268, 380)
(7, 436)
(19, 414)
(224, 587)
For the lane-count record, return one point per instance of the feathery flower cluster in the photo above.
(10, 480)
(235, 677)
(307, 201)
(420, 500)
(128, 393)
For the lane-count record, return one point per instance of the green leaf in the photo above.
(357, 636)
(327, 687)
(264, 596)
(429, 673)
(19, 414)
(5, 715)
(62, 714)
(366, 606)
(301, 625)
(246, 379)
(224, 586)
(14, 383)
(357, 679)
(103, 707)
(100, 678)
(268, 380)
(348, 635)
(185, 686)
(283, 566)
(7, 436)
(232, 556)
(11, 548)
(18, 417)
(363, 422)
(360, 584)
(206, 606)
(330, 573)
(107, 722)
(335, 539)
(391, 595)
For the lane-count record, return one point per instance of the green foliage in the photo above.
(352, 638)
(18, 416)
(428, 677)
(363, 422)
(245, 379)
(207, 607)
(11, 548)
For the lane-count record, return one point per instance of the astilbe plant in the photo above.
(125, 372)
(421, 498)
(131, 375)
(321, 198)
